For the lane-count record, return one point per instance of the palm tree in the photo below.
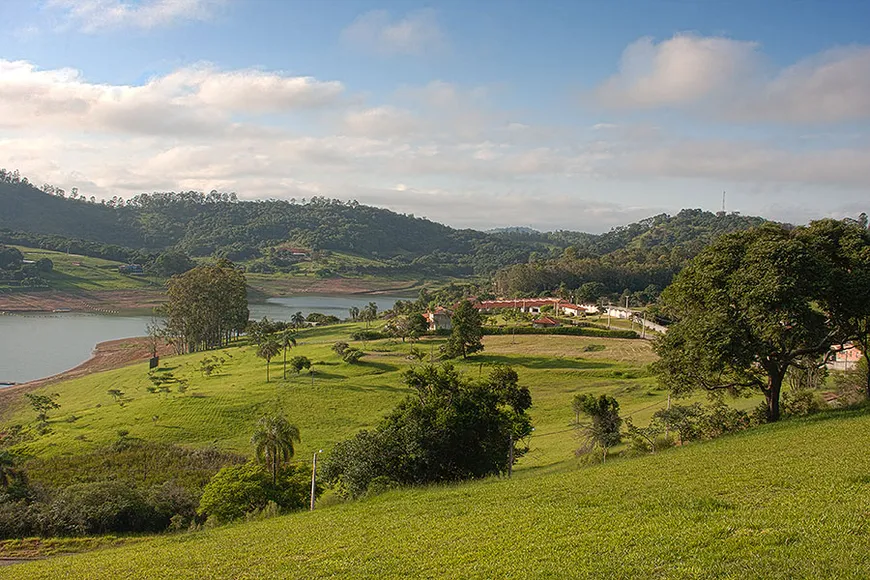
(354, 312)
(287, 341)
(298, 320)
(273, 442)
(269, 348)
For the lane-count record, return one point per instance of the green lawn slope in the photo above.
(73, 273)
(789, 500)
(338, 399)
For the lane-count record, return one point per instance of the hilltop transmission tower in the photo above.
(723, 202)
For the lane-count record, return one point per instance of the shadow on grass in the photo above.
(535, 362)
(377, 367)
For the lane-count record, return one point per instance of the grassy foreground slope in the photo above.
(789, 500)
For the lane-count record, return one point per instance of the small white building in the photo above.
(439, 319)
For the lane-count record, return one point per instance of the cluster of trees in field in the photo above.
(218, 224)
(15, 272)
(207, 307)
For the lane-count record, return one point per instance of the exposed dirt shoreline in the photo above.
(119, 301)
(105, 302)
(111, 354)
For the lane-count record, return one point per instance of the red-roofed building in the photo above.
(545, 322)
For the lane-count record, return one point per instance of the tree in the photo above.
(297, 363)
(172, 263)
(452, 429)
(10, 258)
(467, 332)
(298, 320)
(268, 349)
(42, 404)
(354, 312)
(273, 442)
(287, 341)
(352, 355)
(745, 311)
(845, 246)
(206, 307)
(604, 426)
(369, 313)
(339, 348)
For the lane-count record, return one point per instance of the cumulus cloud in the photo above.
(459, 158)
(729, 79)
(681, 70)
(414, 33)
(189, 101)
(97, 15)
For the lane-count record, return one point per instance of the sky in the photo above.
(581, 115)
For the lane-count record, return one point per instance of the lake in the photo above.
(33, 346)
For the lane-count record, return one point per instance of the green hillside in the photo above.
(786, 500)
(365, 240)
(72, 272)
(338, 399)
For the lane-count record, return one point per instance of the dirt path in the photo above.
(107, 355)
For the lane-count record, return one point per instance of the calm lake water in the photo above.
(33, 346)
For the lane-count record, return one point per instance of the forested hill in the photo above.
(218, 224)
(636, 261)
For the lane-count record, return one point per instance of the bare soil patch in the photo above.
(106, 301)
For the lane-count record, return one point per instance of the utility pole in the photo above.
(643, 326)
(511, 454)
(314, 477)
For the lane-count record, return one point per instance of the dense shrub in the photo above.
(98, 508)
(242, 489)
(453, 429)
(368, 335)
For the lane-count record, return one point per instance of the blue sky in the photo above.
(578, 115)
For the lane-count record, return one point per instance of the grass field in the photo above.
(338, 399)
(789, 500)
(73, 273)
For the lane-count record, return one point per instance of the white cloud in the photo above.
(96, 15)
(678, 71)
(831, 87)
(458, 158)
(740, 161)
(415, 33)
(730, 80)
(189, 101)
(383, 121)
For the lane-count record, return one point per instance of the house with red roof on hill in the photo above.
(545, 322)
